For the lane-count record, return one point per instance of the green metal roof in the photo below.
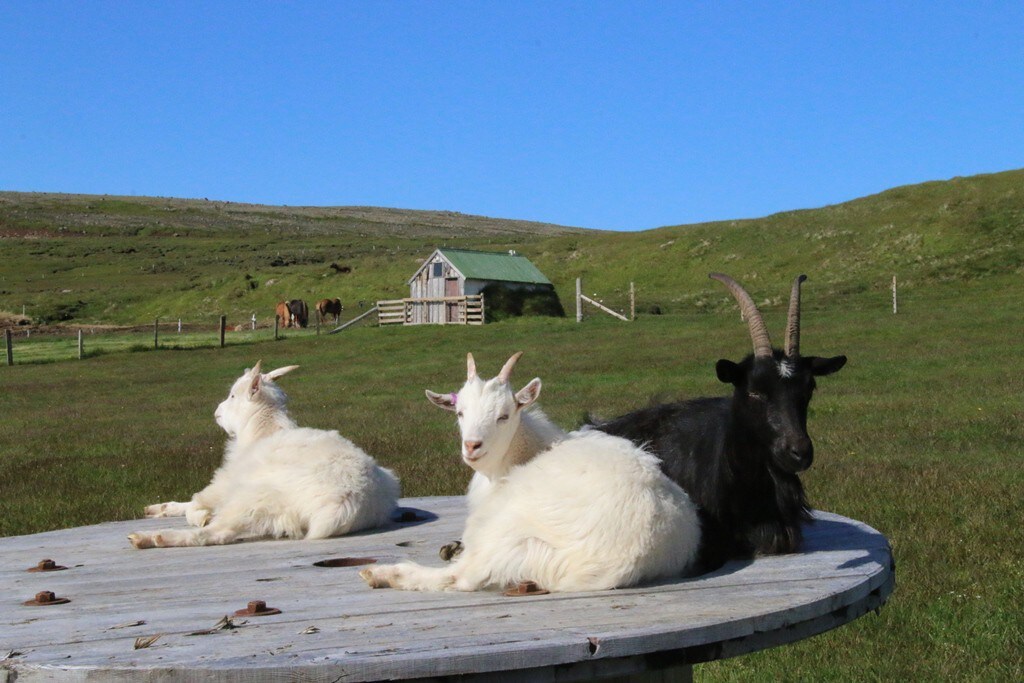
(489, 265)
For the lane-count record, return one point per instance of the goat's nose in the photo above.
(471, 446)
(803, 455)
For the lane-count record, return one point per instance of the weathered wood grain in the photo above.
(333, 627)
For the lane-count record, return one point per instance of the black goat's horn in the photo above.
(758, 332)
(793, 323)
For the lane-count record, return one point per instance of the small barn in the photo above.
(449, 288)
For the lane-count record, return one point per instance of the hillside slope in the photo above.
(128, 260)
(933, 233)
(52, 215)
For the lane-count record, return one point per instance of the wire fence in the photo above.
(31, 345)
(60, 343)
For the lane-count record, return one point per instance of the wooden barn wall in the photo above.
(427, 286)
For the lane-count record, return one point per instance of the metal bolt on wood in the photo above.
(46, 598)
(257, 608)
(525, 588)
(46, 565)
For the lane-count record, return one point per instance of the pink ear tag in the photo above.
(454, 397)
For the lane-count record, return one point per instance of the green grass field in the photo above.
(921, 435)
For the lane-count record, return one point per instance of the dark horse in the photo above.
(299, 311)
(326, 307)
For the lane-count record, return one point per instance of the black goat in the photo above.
(738, 457)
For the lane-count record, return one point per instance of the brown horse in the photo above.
(326, 307)
(284, 316)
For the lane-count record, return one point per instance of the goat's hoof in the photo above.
(450, 551)
(158, 510)
(199, 517)
(373, 580)
(141, 541)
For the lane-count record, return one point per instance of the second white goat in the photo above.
(571, 512)
(277, 479)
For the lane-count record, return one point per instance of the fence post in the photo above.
(156, 333)
(223, 324)
(894, 295)
(579, 301)
(10, 347)
(80, 354)
(632, 302)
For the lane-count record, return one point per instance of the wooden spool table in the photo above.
(331, 626)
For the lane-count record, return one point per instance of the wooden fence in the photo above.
(84, 341)
(442, 310)
(580, 299)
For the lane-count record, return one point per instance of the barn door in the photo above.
(451, 288)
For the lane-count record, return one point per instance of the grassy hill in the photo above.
(127, 260)
(919, 436)
(44, 214)
(927, 235)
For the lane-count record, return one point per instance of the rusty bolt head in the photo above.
(47, 566)
(257, 608)
(46, 598)
(525, 588)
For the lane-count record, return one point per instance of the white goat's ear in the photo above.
(529, 393)
(470, 366)
(274, 374)
(446, 401)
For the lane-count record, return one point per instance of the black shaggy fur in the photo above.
(739, 457)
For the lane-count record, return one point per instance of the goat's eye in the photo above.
(459, 414)
(503, 418)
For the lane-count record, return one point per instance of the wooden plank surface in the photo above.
(332, 626)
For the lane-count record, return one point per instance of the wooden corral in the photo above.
(456, 310)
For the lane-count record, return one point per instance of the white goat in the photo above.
(571, 512)
(278, 479)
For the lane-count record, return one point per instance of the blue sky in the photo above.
(614, 115)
